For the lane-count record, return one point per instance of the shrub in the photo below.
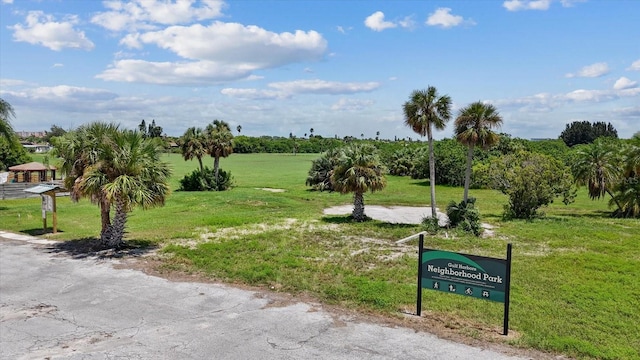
(206, 180)
(465, 216)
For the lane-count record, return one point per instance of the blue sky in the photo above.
(340, 67)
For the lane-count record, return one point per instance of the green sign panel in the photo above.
(468, 275)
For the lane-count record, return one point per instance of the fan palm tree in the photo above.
(193, 145)
(6, 114)
(319, 176)
(219, 142)
(134, 175)
(78, 151)
(627, 191)
(425, 110)
(473, 128)
(598, 166)
(358, 170)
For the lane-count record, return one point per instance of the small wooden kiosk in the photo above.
(34, 172)
(48, 194)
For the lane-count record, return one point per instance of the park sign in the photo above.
(467, 275)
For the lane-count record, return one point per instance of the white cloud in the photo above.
(635, 66)
(42, 29)
(287, 89)
(407, 22)
(57, 65)
(517, 5)
(442, 17)
(593, 70)
(624, 83)
(7, 1)
(569, 3)
(253, 94)
(351, 104)
(173, 73)
(376, 22)
(146, 14)
(216, 53)
(323, 87)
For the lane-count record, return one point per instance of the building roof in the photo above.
(32, 166)
(43, 188)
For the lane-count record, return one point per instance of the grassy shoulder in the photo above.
(575, 283)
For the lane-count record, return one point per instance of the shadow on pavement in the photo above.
(92, 248)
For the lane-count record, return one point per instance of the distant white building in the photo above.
(38, 148)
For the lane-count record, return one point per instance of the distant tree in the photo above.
(584, 132)
(219, 141)
(358, 170)
(142, 127)
(55, 131)
(238, 129)
(154, 131)
(193, 144)
(531, 181)
(473, 128)
(425, 110)
(311, 132)
(377, 135)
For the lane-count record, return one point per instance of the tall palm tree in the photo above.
(359, 170)
(219, 142)
(473, 128)
(134, 175)
(598, 166)
(193, 145)
(425, 110)
(6, 114)
(79, 151)
(627, 190)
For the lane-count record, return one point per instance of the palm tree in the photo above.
(134, 174)
(6, 114)
(359, 170)
(627, 190)
(473, 128)
(239, 128)
(424, 110)
(79, 151)
(319, 176)
(219, 142)
(193, 145)
(597, 165)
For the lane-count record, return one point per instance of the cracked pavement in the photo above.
(56, 307)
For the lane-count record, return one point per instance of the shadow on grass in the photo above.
(92, 248)
(347, 219)
(40, 231)
(597, 214)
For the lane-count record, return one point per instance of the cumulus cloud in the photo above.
(635, 66)
(351, 104)
(42, 29)
(7, 1)
(624, 83)
(376, 22)
(253, 94)
(593, 70)
(518, 5)
(147, 14)
(215, 53)
(443, 18)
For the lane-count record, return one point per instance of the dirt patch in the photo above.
(272, 190)
(392, 214)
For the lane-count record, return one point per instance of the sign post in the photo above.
(468, 275)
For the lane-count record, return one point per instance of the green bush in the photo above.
(206, 181)
(465, 215)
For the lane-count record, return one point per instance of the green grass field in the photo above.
(575, 277)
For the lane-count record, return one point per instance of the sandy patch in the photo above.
(272, 190)
(392, 214)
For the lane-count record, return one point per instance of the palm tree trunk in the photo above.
(467, 173)
(216, 167)
(115, 241)
(432, 174)
(200, 162)
(358, 207)
(105, 208)
(614, 200)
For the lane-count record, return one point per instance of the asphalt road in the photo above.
(54, 306)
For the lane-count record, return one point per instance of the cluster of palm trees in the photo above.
(114, 168)
(215, 140)
(611, 167)
(426, 110)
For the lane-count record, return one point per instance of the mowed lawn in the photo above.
(575, 277)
